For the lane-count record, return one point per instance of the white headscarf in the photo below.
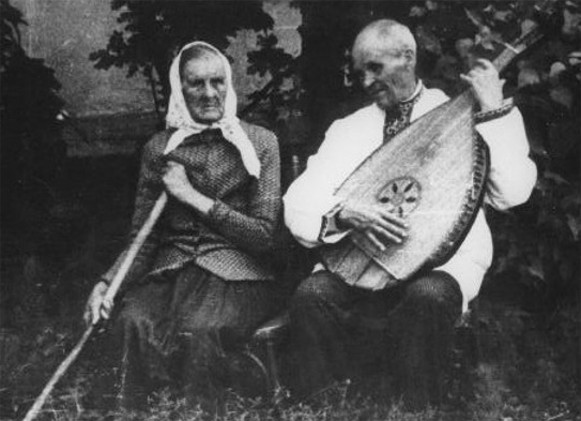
(178, 115)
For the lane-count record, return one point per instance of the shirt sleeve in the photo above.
(255, 230)
(310, 200)
(149, 188)
(512, 174)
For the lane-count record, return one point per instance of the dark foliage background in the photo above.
(152, 32)
(28, 114)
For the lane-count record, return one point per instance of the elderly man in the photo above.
(340, 331)
(201, 284)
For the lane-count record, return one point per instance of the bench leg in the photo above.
(274, 378)
(262, 367)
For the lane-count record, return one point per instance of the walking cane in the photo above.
(134, 248)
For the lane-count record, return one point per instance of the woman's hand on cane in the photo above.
(97, 307)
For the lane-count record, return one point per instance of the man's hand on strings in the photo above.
(97, 306)
(486, 85)
(374, 221)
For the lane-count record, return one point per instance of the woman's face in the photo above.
(204, 88)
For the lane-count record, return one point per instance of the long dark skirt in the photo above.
(180, 329)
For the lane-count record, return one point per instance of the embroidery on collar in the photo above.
(398, 118)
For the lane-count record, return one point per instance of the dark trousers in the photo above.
(340, 332)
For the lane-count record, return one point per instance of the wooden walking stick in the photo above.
(132, 251)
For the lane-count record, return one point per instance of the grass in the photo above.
(524, 368)
(495, 395)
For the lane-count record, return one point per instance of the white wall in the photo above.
(65, 32)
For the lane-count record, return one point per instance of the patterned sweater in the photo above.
(233, 241)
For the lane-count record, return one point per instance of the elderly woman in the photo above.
(201, 284)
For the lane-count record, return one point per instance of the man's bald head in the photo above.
(384, 58)
(387, 35)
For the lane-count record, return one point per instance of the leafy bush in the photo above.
(29, 109)
(153, 31)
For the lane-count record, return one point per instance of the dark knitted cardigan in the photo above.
(234, 240)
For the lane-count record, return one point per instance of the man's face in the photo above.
(204, 88)
(386, 75)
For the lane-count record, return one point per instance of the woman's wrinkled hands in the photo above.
(176, 182)
(486, 84)
(97, 306)
(375, 222)
(178, 185)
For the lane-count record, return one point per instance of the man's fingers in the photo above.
(392, 219)
(371, 237)
(483, 68)
(387, 227)
(375, 220)
(466, 78)
(485, 64)
(389, 235)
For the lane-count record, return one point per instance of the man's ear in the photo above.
(410, 58)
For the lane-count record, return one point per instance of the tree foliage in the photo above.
(153, 30)
(32, 150)
(29, 100)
